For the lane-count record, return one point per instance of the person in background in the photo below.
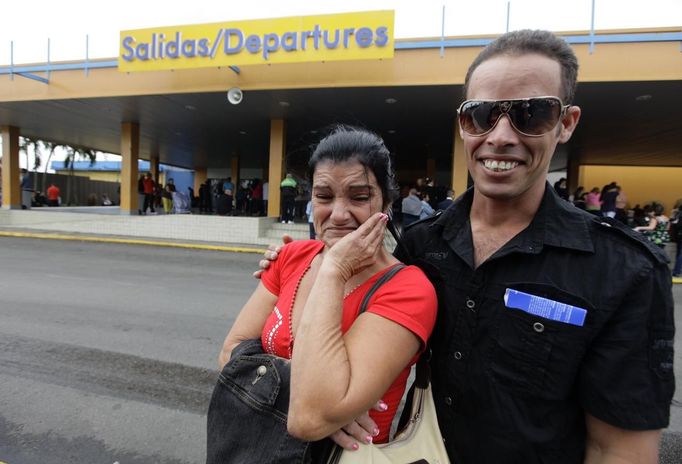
(427, 210)
(266, 197)
(140, 194)
(561, 188)
(228, 187)
(657, 227)
(311, 222)
(592, 202)
(411, 207)
(257, 197)
(578, 197)
(449, 198)
(205, 203)
(676, 236)
(167, 198)
(621, 205)
(53, 194)
(26, 189)
(608, 200)
(148, 186)
(288, 189)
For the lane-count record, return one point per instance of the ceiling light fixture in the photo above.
(391, 100)
(391, 131)
(242, 132)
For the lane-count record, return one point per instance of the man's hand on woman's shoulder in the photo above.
(271, 255)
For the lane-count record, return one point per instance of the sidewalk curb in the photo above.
(126, 241)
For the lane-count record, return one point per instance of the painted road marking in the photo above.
(89, 238)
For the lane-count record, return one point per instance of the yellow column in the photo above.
(130, 151)
(276, 165)
(200, 176)
(459, 163)
(234, 172)
(11, 190)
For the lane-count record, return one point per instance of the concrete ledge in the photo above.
(185, 227)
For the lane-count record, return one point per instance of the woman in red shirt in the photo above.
(306, 306)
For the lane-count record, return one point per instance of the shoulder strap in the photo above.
(382, 280)
(423, 372)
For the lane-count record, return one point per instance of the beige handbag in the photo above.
(419, 442)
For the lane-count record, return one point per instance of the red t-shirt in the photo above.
(53, 193)
(407, 299)
(149, 185)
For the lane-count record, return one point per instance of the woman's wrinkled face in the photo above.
(344, 196)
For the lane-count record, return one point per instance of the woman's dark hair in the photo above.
(347, 143)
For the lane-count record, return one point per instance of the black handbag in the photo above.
(247, 415)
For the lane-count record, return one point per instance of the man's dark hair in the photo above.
(347, 143)
(539, 42)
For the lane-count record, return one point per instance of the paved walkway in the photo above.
(106, 224)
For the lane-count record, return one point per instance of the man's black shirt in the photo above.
(511, 387)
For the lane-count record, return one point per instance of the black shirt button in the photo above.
(457, 355)
(539, 327)
(448, 401)
(471, 304)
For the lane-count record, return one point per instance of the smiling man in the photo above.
(535, 357)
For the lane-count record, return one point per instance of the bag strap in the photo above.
(423, 370)
(382, 280)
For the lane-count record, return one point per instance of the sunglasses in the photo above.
(528, 116)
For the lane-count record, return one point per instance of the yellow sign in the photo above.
(336, 37)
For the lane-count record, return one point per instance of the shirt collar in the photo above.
(557, 223)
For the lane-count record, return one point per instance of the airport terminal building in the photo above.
(249, 99)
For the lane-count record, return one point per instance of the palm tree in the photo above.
(50, 147)
(72, 154)
(27, 144)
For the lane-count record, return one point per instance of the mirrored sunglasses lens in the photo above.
(536, 116)
(477, 117)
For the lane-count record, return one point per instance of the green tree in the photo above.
(30, 145)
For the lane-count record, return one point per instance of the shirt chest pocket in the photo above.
(536, 356)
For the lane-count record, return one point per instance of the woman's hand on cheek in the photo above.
(359, 249)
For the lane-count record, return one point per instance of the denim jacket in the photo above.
(247, 416)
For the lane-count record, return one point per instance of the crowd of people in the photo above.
(224, 197)
(153, 196)
(650, 219)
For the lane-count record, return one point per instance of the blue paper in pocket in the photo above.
(544, 307)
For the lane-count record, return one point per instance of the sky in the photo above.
(66, 23)
(29, 23)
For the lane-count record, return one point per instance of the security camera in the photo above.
(235, 95)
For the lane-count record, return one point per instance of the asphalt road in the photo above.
(108, 352)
